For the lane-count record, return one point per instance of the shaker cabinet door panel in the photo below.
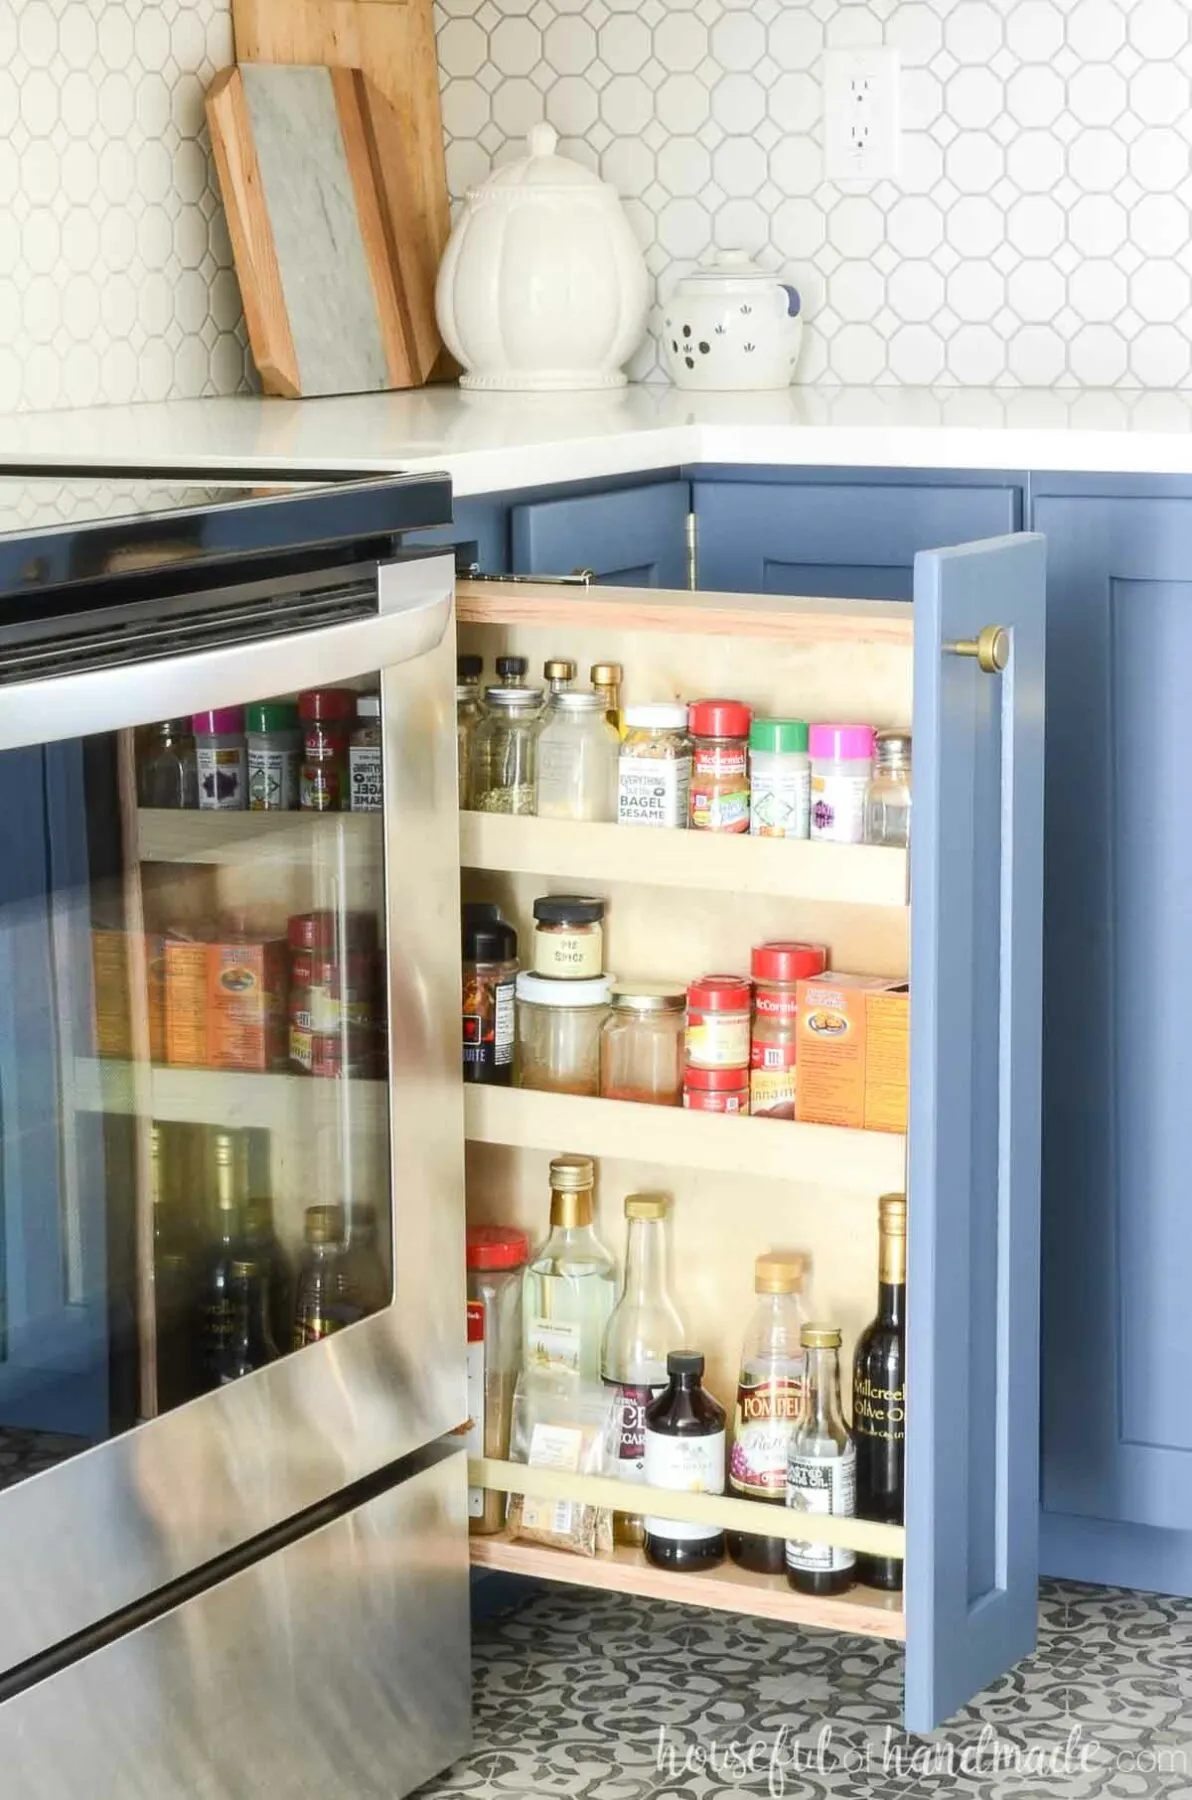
(1117, 1230)
(973, 1184)
(847, 539)
(636, 537)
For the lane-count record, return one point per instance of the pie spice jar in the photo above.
(719, 797)
(718, 1022)
(778, 967)
(568, 937)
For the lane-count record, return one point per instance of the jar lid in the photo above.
(842, 743)
(497, 1247)
(657, 715)
(779, 736)
(684, 1362)
(649, 996)
(720, 993)
(225, 721)
(779, 1272)
(541, 990)
(725, 266)
(719, 718)
(820, 1337)
(577, 700)
(783, 960)
(473, 912)
(324, 1224)
(524, 699)
(323, 930)
(716, 1081)
(368, 706)
(646, 1206)
(541, 168)
(558, 668)
(511, 665)
(894, 745)
(568, 909)
(606, 674)
(572, 1174)
(271, 715)
(489, 940)
(327, 704)
(469, 668)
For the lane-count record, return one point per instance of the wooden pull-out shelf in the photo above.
(231, 838)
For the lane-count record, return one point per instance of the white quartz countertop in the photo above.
(490, 442)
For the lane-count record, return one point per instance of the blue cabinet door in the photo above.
(973, 1182)
(851, 539)
(1117, 1228)
(633, 538)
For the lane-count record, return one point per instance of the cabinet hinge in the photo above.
(692, 553)
(471, 571)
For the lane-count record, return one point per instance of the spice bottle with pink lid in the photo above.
(221, 753)
(841, 764)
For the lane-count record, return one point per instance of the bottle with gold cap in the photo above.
(570, 1283)
(769, 1400)
(558, 672)
(606, 679)
(879, 1395)
(642, 1328)
(821, 1476)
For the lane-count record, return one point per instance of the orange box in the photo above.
(186, 1003)
(853, 1052)
(247, 998)
(112, 988)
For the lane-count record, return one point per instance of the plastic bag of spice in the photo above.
(561, 1422)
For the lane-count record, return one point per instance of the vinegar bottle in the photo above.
(684, 1452)
(570, 1284)
(642, 1329)
(821, 1475)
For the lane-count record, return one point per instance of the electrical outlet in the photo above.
(861, 118)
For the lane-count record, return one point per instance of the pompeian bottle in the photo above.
(251, 1344)
(217, 1312)
(879, 1396)
(769, 1401)
(642, 1328)
(684, 1452)
(821, 1474)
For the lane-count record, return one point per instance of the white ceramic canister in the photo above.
(543, 284)
(731, 324)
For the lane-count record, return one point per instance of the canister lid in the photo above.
(489, 941)
(225, 721)
(469, 668)
(497, 1247)
(780, 737)
(820, 1337)
(720, 993)
(542, 990)
(541, 168)
(558, 668)
(527, 699)
(577, 700)
(650, 996)
(646, 1206)
(784, 960)
(330, 704)
(657, 715)
(606, 674)
(842, 743)
(684, 1362)
(271, 715)
(780, 1272)
(569, 909)
(719, 718)
(572, 1174)
(368, 706)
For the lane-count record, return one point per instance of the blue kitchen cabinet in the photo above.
(630, 537)
(1117, 1244)
(839, 534)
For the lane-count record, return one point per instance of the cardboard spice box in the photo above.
(226, 1004)
(853, 1052)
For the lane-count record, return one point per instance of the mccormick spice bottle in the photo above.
(684, 1452)
(769, 1401)
(327, 716)
(777, 970)
(719, 799)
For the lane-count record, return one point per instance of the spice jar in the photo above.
(468, 670)
(719, 799)
(327, 715)
(301, 1020)
(490, 970)
(577, 759)
(888, 797)
(222, 759)
(558, 1033)
(364, 757)
(497, 1256)
(778, 968)
(716, 1090)
(505, 750)
(841, 763)
(274, 742)
(167, 772)
(606, 679)
(347, 1053)
(718, 1022)
(779, 779)
(654, 769)
(568, 937)
(641, 1043)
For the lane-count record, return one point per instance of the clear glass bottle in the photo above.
(770, 1396)
(167, 769)
(505, 750)
(821, 1475)
(577, 759)
(496, 1271)
(558, 672)
(643, 1329)
(363, 1270)
(888, 796)
(684, 1452)
(324, 1303)
(606, 679)
(641, 1043)
(468, 710)
(570, 1284)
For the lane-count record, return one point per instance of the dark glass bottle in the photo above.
(260, 1236)
(217, 1312)
(363, 1271)
(821, 1474)
(879, 1396)
(176, 1263)
(251, 1344)
(324, 1303)
(684, 1452)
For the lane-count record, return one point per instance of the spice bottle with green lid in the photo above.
(779, 778)
(364, 757)
(274, 738)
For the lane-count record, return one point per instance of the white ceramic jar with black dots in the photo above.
(731, 324)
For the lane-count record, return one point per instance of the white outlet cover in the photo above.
(862, 115)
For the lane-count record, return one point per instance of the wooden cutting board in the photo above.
(335, 269)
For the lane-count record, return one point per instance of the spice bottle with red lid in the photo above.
(716, 1090)
(718, 1022)
(778, 967)
(719, 796)
(328, 715)
(497, 1256)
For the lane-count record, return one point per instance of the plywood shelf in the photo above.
(871, 1162)
(227, 1098)
(229, 838)
(863, 1611)
(787, 869)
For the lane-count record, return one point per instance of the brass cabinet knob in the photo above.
(991, 648)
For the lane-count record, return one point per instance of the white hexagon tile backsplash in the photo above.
(1038, 234)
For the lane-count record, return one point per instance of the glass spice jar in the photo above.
(490, 972)
(364, 757)
(718, 1022)
(654, 769)
(505, 750)
(577, 759)
(888, 797)
(327, 715)
(468, 670)
(558, 1033)
(167, 769)
(568, 937)
(777, 968)
(641, 1043)
(497, 1256)
(719, 798)
(716, 1090)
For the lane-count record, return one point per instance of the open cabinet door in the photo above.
(976, 1028)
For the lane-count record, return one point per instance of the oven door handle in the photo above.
(414, 611)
